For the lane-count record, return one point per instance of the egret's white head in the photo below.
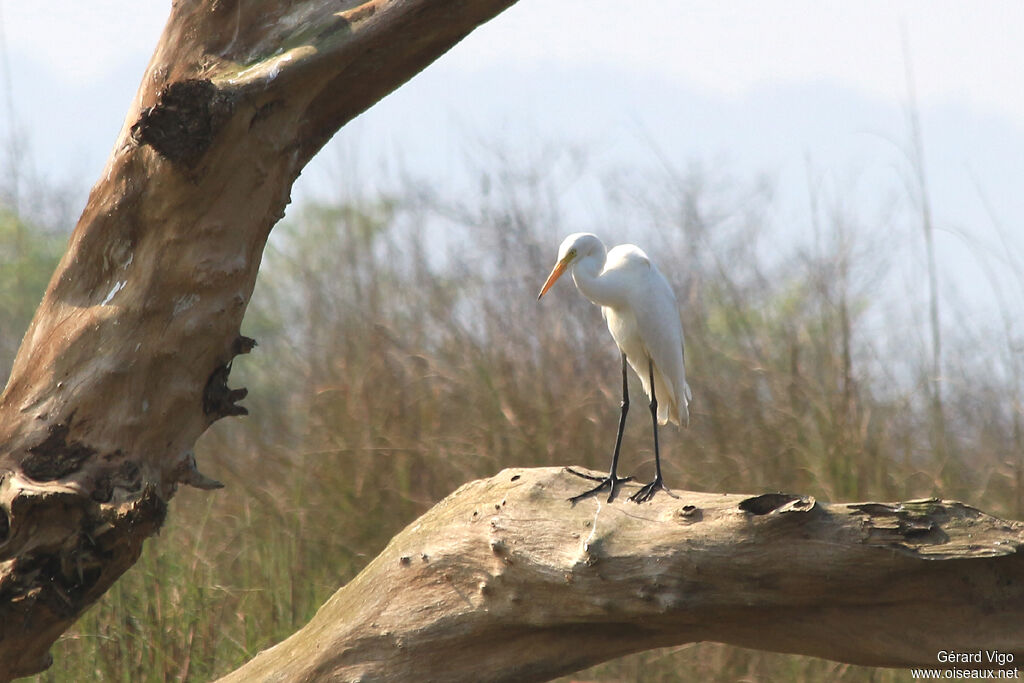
(573, 249)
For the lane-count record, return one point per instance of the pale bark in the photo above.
(505, 580)
(126, 361)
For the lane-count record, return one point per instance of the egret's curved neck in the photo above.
(586, 273)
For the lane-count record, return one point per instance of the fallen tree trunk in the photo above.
(126, 361)
(505, 580)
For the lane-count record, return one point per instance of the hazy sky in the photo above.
(967, 55)
(968, 52)
(773, 87)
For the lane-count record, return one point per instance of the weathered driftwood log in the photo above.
(504, 580)
(126, 361)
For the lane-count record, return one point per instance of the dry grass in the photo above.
(402, 352)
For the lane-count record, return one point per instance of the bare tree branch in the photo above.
(504, 580)
(127, 359)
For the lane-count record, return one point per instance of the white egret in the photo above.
(640, 308)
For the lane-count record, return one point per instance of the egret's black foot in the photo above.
(648, 490)
(609, 482)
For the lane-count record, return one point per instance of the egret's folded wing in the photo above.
(657, 317)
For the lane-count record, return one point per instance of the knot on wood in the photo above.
(55, 456)
(767, 503)
(689, 514)
(184, 121)
(71, 553)
(219, 400)
(62, 579)
(126, 476)
(242, 344)
(188, 473)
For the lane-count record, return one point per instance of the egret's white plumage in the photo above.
(640, 308)
(642, 314)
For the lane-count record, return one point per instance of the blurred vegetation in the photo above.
(402, 352)
(28, 256)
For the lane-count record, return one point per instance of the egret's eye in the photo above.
(572, 253)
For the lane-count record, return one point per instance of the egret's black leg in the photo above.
(612, 480)
(648, 490)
